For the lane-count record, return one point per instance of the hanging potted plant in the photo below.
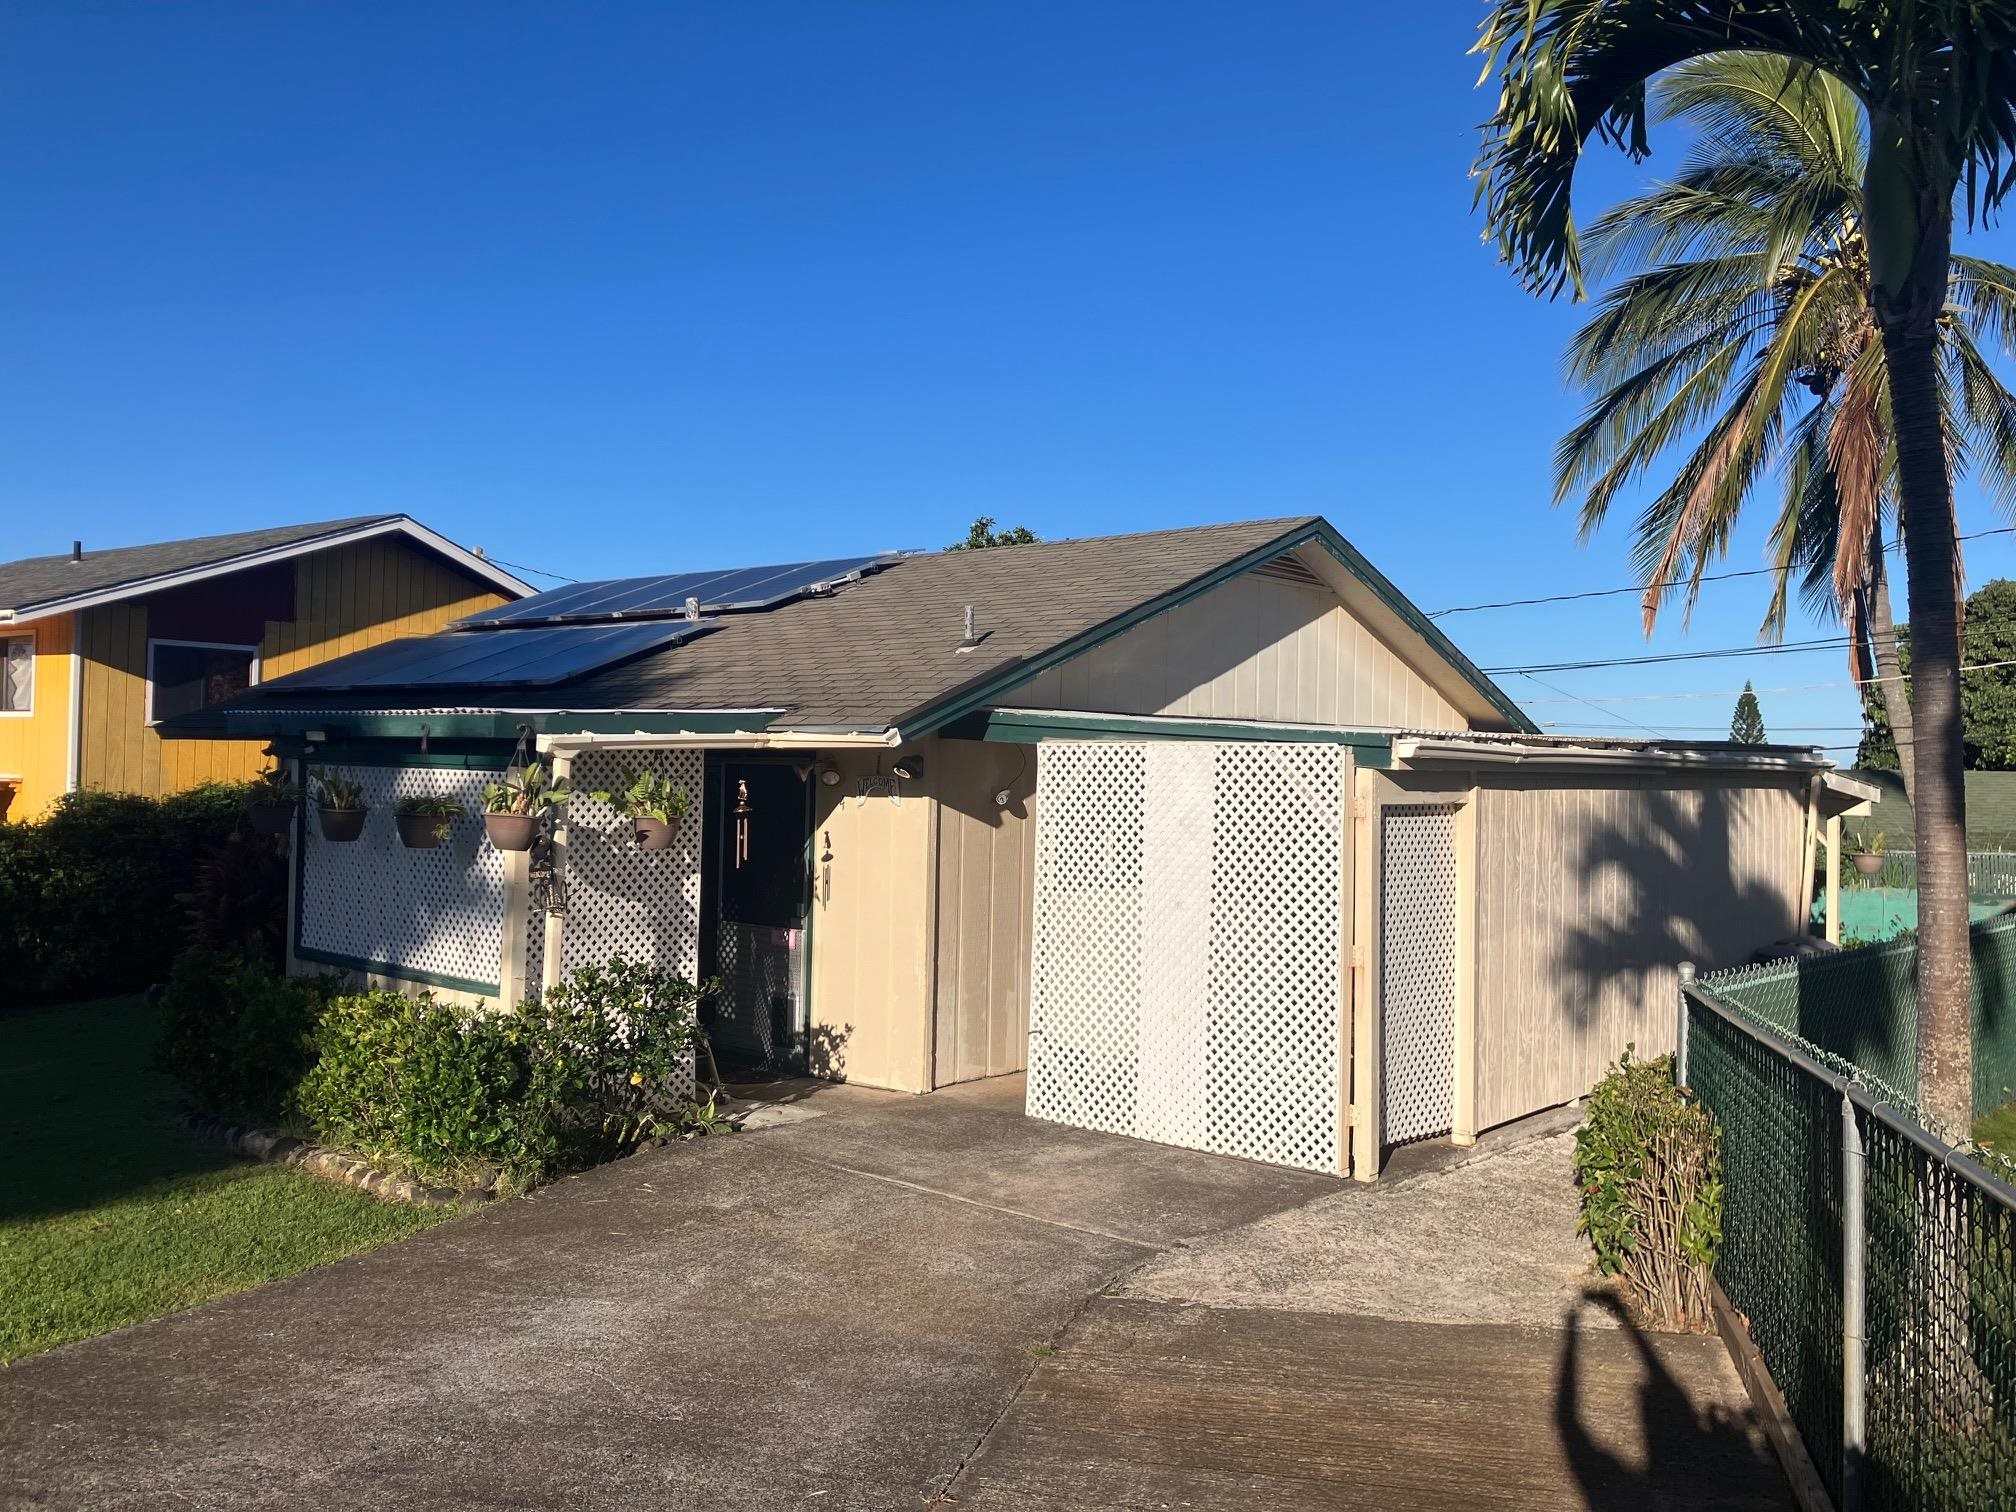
(339, 804)
(513, 808)
(653, 805)
(424, 822)
(1868, 857)
(274, 800)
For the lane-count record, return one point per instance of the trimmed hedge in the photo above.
(433, 1089)
(89, 895)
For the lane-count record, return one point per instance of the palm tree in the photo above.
(1743, 327)
(1936, 80)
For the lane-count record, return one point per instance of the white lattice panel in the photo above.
(644, 905)
(1275, 1085)
(438, 911)
(1187, 949)
(1417, 971)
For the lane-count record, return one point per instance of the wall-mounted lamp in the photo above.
(1001, 799)
(910, 768)
(829, 776)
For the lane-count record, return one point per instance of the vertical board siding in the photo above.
(345, 599)
(1589, 897)
(35, 747)
(873, 894)
(1255, 648)
(986, 870)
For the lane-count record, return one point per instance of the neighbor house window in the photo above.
(17, 675)
(184, 676)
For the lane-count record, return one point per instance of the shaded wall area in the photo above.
(1591, 891)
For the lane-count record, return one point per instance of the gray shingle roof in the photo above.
(884, 648)
(34, 581)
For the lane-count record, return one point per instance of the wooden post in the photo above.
(1834, 879)
(1811, 833)
(1365, 1050)
(517, 928)
(556, 923)
(1347, 984)
(1463, 1105)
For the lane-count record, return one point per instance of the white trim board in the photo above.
(469, 561)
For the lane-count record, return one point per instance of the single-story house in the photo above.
(98, 647)
(1210, 830)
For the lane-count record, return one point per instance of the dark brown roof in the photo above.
(35, 581)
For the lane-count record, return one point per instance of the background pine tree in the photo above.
(1747, 728)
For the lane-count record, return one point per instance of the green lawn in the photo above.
(111, 1212)
(1997, 1130)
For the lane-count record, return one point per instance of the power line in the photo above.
(535, 571)
(1596, 706)
(1841, 682)
(1640, 588)
(1830, 643)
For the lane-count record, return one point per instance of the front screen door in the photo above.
(757, 895)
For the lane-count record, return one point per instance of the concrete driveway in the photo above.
(830, 1313)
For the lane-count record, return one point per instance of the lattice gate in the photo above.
(1417, 971)
(1186, 982)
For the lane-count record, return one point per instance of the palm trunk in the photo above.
(1889, 668)
(1907, 306)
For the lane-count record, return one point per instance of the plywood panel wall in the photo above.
(986, 870)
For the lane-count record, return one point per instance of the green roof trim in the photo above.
(994, 690)
(1027, 726)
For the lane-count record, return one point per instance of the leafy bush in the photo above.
(1648, 1161)
(88, 894)
(577, 1077)
(237, 900)
(238, 1037)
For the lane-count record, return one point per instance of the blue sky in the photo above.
(609, 288)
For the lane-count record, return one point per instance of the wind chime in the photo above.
(742, 810)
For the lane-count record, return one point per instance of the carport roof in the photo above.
(885, 652)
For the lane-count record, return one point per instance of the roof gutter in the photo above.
(759, 740)
(1456, 752)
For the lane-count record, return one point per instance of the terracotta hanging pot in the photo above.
(270, 818)
(422, 831)
(1867, 864)
(653, 834)
(341, 826)
(511, 832)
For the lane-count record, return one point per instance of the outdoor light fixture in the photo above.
(910, 768)
(829, 777)
(1001, 799)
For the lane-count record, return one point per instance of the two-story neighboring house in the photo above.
(98, 647)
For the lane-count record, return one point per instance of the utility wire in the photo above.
(535, 571)
(1843, 682)
(1596, 706)
(1640, 589)
(1830, 643)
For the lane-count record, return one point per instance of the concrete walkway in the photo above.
(901, 1301)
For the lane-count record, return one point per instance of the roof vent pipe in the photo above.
(972, 635)
(76, 551)
(692, 608)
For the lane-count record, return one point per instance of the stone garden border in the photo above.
(332, 1165)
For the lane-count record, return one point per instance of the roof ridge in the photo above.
(344, 522)
(1285, 522)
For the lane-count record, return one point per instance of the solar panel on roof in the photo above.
(719, 591)
(494, 659)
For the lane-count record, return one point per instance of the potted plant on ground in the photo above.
(1868, 857)
(339, 804)
(513, 808)
(274, 799)
(654, 806)
(424, 821)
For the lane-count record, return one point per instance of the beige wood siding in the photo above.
(35, 747)
(345, 599)
(873, 897)
(1588, 898)
(986, 870)
(1257, 647)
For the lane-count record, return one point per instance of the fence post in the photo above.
(1854, 1292)
(1680, 1038)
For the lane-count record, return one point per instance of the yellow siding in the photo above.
(1258, 647)
(1589, 897)
(345, 599)
(986, 887)
(872, 902)
(36, 747)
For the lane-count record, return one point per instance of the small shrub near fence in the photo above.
(437, 1091)
(90, 896)
(1651, 1180)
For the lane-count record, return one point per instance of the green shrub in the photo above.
(1648, 1161)
(626, 1032)
(88, 894)
(239, 1038)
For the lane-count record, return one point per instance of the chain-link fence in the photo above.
(1876, 1267)
(1862, 1006)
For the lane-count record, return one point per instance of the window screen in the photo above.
(188, 678)
(17, 675)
